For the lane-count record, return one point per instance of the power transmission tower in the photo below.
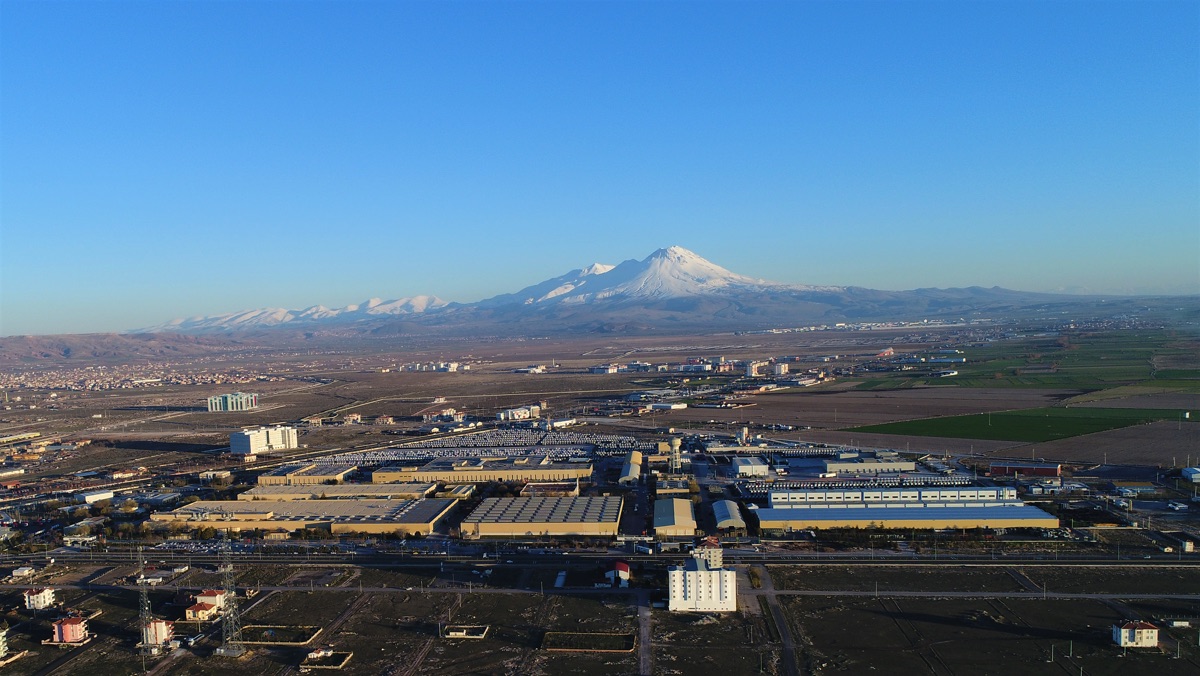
(144, 615)
(231, 621)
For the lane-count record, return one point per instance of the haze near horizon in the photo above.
(165, 160)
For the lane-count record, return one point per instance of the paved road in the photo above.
(791, 664)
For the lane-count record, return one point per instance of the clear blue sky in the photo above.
(170, 159)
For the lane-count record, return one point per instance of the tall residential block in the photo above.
(254, 440)
(237, 401)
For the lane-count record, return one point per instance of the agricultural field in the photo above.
(1029, 425)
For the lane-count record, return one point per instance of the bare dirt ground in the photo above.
(1180, 400)
(1162, 443)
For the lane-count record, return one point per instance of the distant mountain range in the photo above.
(671, 289)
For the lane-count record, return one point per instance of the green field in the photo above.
(1035, 424)
(1079, 361)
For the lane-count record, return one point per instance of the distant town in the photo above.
(182, 512)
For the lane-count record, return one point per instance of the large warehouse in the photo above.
(520, 517)
(674, 517)
(478, 470)
(900, 508)
(337, 516)
(340, 492)
(305, 474)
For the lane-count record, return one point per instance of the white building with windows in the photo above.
(237, 401)
(39, 599)
(1135, 634)
(702, 584)
(254, 440)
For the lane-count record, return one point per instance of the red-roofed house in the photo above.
(619, 574)
(201, 612)
(215, 597)
(70, 630)
(1135, 634)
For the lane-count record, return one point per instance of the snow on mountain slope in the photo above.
(551, 288)
(669, 274)
(252, 319)
(673, 272)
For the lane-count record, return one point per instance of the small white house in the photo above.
(1135, 634)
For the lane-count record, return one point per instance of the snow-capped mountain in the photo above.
(673, 272)
(671, 289)
(272, 317)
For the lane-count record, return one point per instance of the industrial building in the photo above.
(728, 516)
(900, 508)
(305, 474)
(533, 517)
(237, 401)
(868, 465)
(631, 471)
(416, 517)
(414, 491)
(1192, 474)
(749, 467)
(520, 413)
(555, 489)
(1025, 469)
(478, 470)
(674, 517)
(702, 584)
(255, 440)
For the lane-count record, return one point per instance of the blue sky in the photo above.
(170, 159)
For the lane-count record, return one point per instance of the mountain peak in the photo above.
(676, 253)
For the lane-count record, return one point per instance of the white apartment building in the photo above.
(157, 633)
(39, 599)
(1135, 634)
(237, 401)
(254, 440)
(701, 584)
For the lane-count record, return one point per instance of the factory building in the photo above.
(478, 470)
(413, 491)
(728, 516)
(674, 517)
(93, 497)
(255, 440)
(631, 471)
(519, 413)
(900, 508)
(305, 474)
(555, 489)
(237, 401)
(402, 517)
(868, 465)
(1025, 469)
(1192, 474)
(702, 584)
(744, 468)
(534, 517)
